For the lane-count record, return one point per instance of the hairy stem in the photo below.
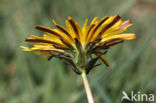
(87, 88)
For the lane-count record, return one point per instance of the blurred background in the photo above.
(28, 78)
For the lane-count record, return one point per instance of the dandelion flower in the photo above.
(79, 45)
(83, 46)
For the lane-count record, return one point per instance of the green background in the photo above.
(28, 78)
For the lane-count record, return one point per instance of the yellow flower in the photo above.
(81, 47)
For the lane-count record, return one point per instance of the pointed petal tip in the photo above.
(130, 36)
(94, 20)
(133, 36)
(38, 27)
(96, 17)
(69, 18)
(130, 22)
(126, 24)
(22, 46)
(27, 39)
(127, 36)
(25, 48)
(54, 22)
(41, 27)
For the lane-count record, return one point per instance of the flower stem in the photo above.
(87, 88)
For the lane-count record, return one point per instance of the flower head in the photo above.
(80, 47)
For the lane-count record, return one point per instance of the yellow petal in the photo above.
(85, 25)
(64, 31)
(25, 48)
(94, 20)
(70, 29)
(75, 27)
(84, 32)
(52, 32)
(108, 23)
(113, 33)
(127, 36)
(40, 52)
(80, 32)
(95, 31)
(45, 39)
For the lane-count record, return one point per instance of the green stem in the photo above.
(87, 88)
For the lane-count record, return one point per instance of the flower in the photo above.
(81, 47)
